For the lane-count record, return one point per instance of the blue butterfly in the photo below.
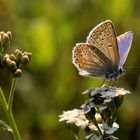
(103, 54)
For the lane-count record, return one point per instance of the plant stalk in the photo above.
(7, 107)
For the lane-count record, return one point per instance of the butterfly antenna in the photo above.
(137, 67)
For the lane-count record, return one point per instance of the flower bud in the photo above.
(10, 35)
(1, 33)
(12, 57)
(24, 60)
(17, 73)
(24, 53)
(29, 55)
(13, 65)
(6, 41)
(6, 56)
(8, 61)
(18, 55)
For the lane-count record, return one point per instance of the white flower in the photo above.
(121, 91)
(112, 138)
(101, 108)
(75, 116)
(113, 92)
(107, 100)
(93, 137)
(109, 130)
(92, 127)
(108, 91)
(98, 118)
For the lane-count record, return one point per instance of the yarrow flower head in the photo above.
(109, 130)
(106, 91)
(97, 115)
(75, 116)
(100, 97)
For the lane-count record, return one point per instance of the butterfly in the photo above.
(103, 54)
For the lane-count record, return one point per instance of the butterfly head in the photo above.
(121, 71)
(115, 74)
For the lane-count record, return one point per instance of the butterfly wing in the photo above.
(89, 60)
(104, 38)
(124, 44)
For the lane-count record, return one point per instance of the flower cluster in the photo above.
(5, 39)
(75, 116)
(97, 117)
(16, 62)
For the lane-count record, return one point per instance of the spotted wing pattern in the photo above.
(103, 37)
(89, 60)
(103, 53)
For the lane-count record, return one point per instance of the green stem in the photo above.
(77, 137)
(7, 107)
(13, 126)
(3, 100)
(11, 95)
(10, 117)
(114, 113)
(96, 124)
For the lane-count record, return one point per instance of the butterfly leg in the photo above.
(110, 82)
(103, 83)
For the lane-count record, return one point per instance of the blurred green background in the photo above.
(50, 29)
